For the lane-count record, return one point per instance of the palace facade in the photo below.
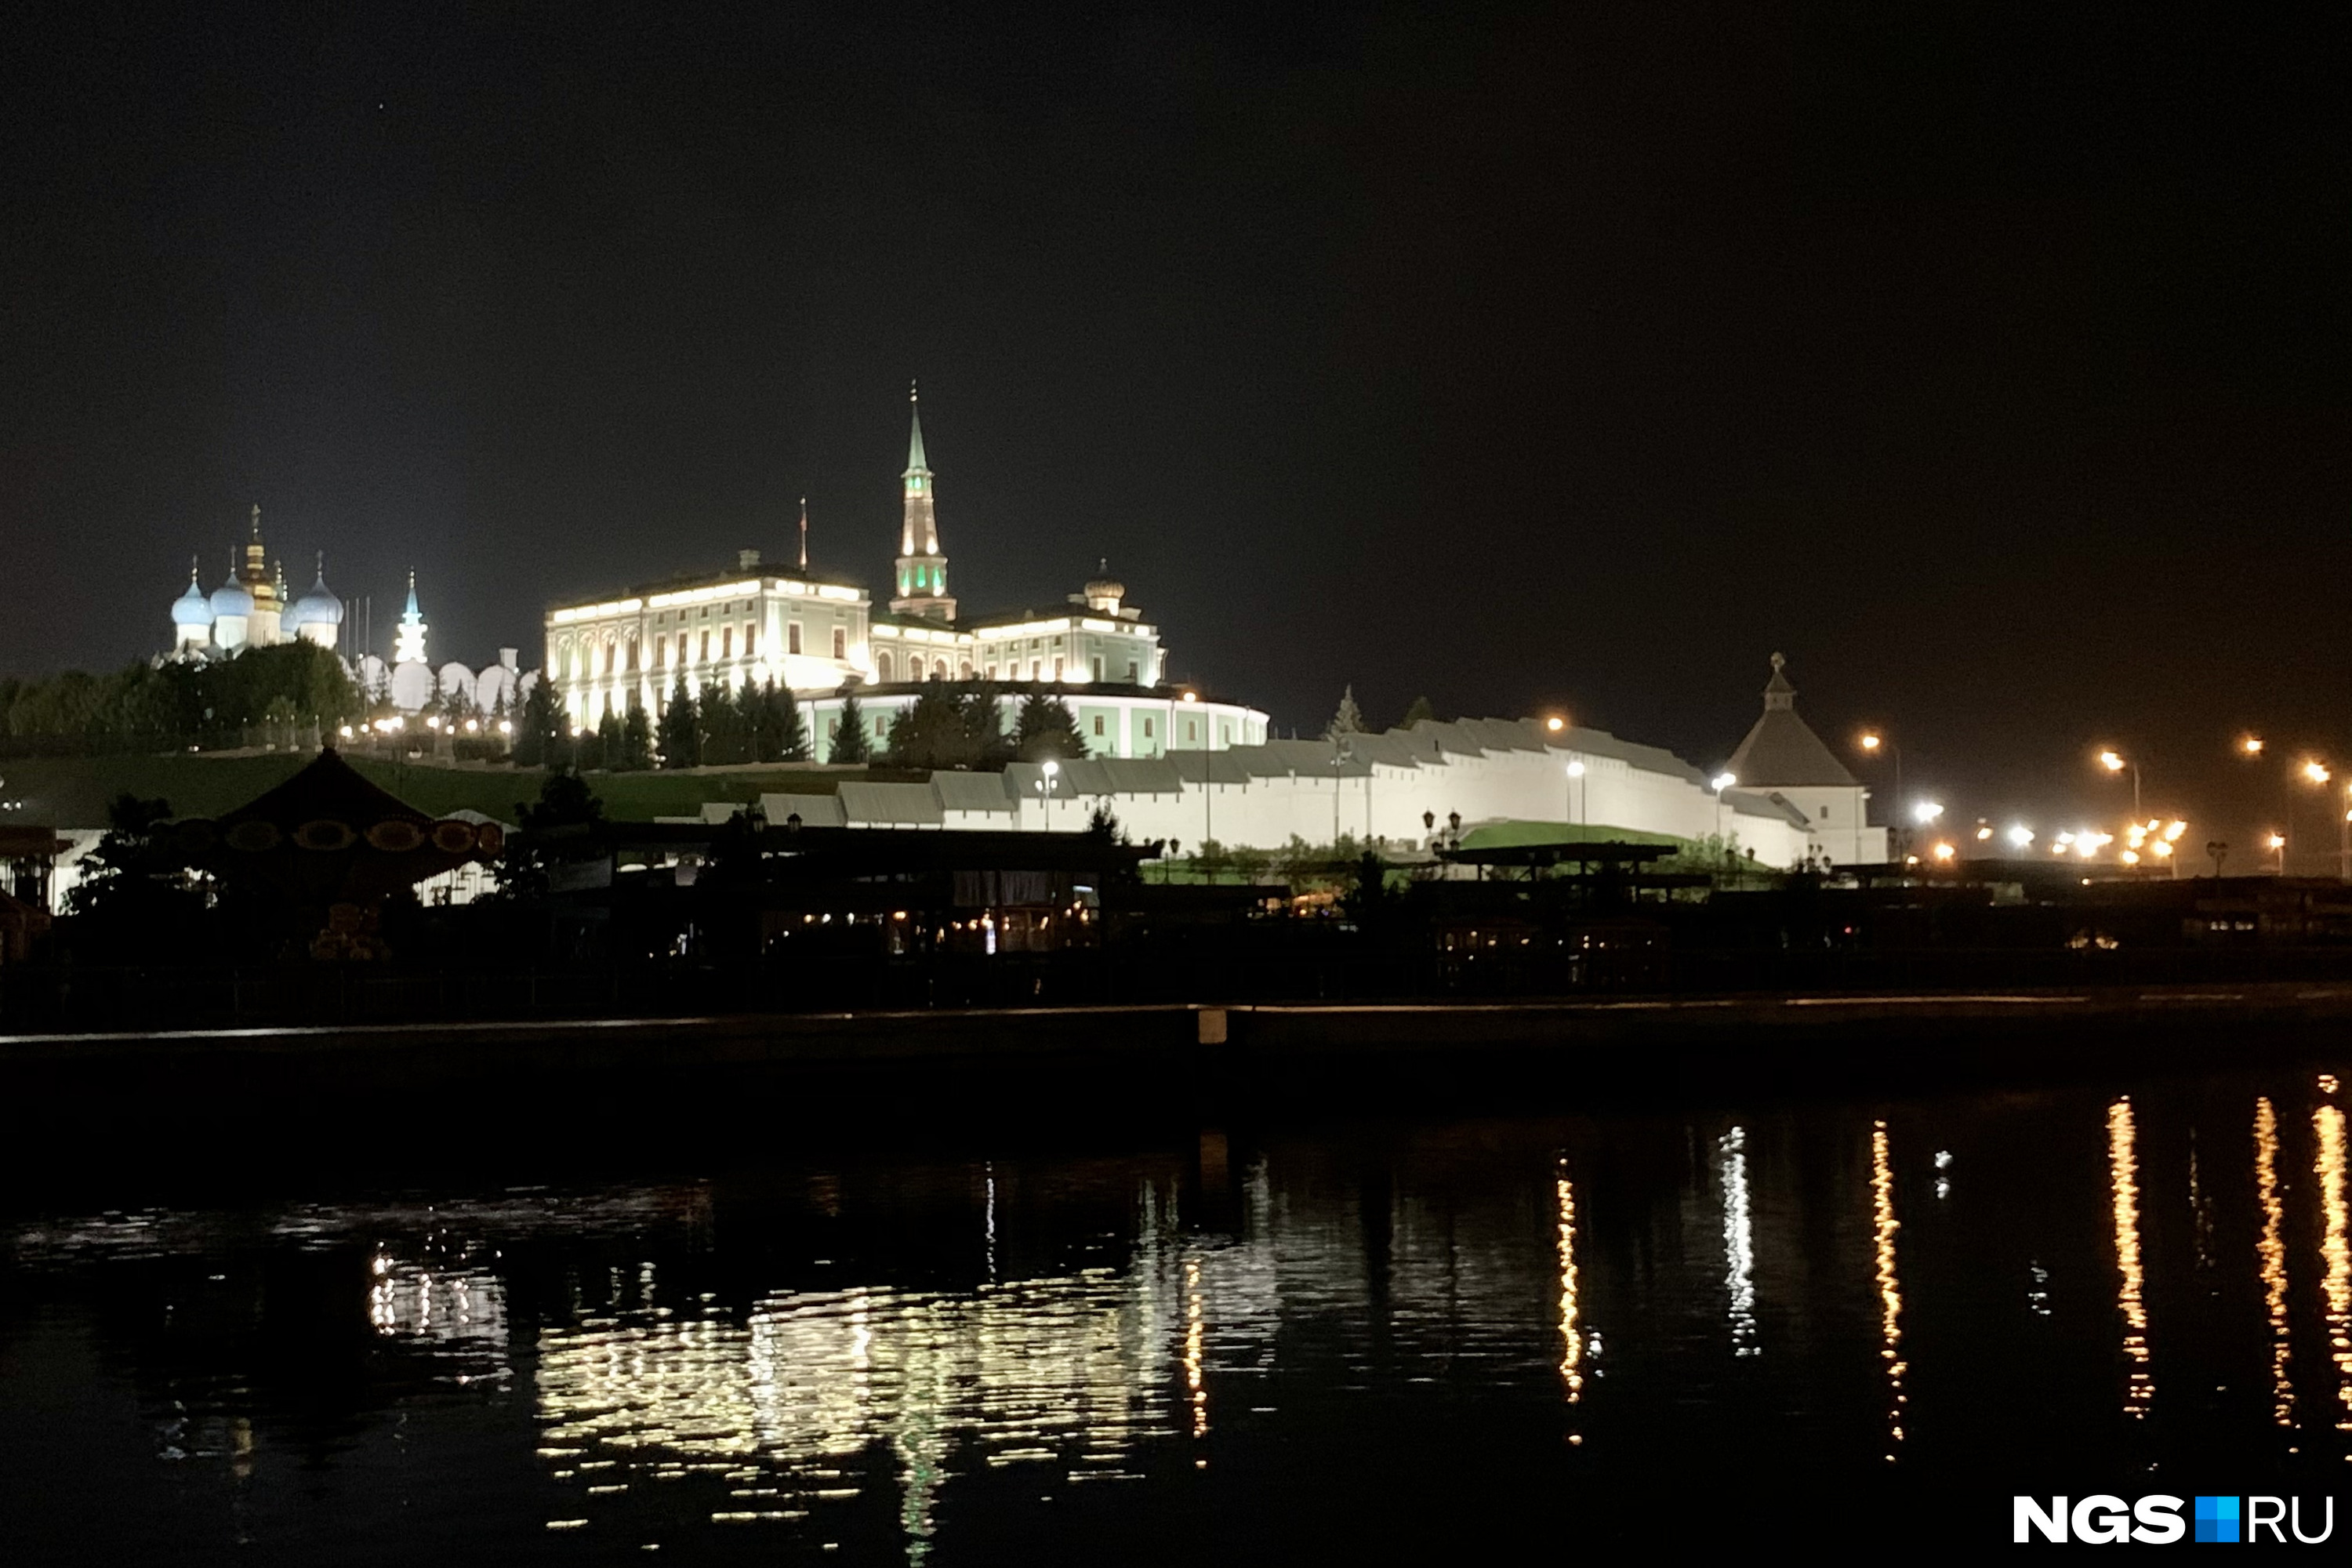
(822, 638)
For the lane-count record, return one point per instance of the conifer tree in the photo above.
(1046, 727)
(636, 753)
(1421, 713)
(537, 726)
(791, 731)
(1347, 721)
(849, 741)
(681, 728)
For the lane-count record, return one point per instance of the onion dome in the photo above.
(232, 598)
(192, 608)
(318, 607)
(1104, 592)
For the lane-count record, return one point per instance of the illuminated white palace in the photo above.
(821, 639)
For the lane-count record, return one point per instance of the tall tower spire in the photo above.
(408, 643)
(922, 569)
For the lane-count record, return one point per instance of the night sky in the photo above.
(1990, 364)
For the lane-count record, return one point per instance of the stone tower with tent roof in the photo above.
(1782, 756)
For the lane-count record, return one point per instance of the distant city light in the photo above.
(2174, 829)
(2111, 761)
(1944, 851)
(2252, 746)
(1871, 743)
(2315, 772)
(2275, 841)
(2130, 857)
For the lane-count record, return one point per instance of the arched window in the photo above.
(883, 666)
(940, 669)
(609, 652)
(705, 648)
(965, 669)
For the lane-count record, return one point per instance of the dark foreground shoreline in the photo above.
(1198, 1058)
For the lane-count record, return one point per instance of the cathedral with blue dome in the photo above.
(252, 608)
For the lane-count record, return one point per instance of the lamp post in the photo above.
(2276, 845)
(2344, 839)
(2314, 772)
(1874, 742)
(1338, 753)
(1046, 777)
(2116, 762)
(1925, 813)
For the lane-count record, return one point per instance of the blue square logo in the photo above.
(2217, 1519)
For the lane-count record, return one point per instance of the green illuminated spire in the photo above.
(922, 568)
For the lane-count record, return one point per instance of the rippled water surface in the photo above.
(1251, 1341)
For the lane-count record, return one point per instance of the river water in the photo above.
(1649, 1323)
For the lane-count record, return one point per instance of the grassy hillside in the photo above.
(1510, 835)
(72, 791)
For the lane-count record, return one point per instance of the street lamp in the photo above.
(2276, 845)
(2020, 836)
(1046, 777)
(2115, 762)
(1927, 811)
(1872, 742)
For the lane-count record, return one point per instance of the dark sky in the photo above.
(1991, 364)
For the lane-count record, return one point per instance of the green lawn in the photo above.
(1511, 835)
(73, 791)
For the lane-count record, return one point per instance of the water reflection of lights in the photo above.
(2337, 1284)
(1072, 1372)
(1571, 1337)
(1193, 1326)
(452, 1310)
(1884, 1225)
(1738, 1242)
(2271, 1250)
(2131, 1299)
